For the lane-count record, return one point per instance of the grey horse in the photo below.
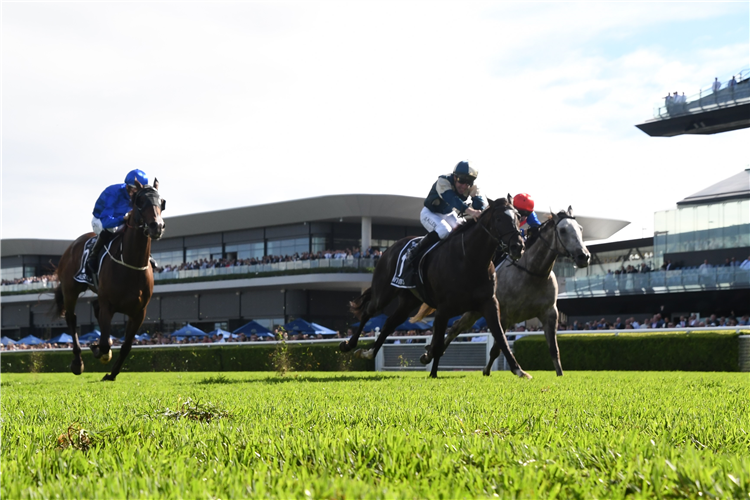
(528, 289)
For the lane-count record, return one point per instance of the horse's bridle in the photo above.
(504, 247)
(562, 216)
(568, 253)
(155, 199)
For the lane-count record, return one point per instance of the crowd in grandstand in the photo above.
(349, 253)
(30, 279)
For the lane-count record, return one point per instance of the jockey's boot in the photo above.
(429, 240)
(92, 263)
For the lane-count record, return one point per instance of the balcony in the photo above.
(657, 282)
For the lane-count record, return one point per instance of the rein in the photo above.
(553, 249)
(123, 263)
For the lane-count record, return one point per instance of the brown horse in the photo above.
(126, 281)
(459, 277)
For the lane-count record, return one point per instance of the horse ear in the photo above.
(490, 202)
(510, 199)
(570, 211)
(156, 183)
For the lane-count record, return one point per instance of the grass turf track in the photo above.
(373, 435)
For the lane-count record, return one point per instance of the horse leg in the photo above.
(134, 323)
(494, 353)
(102, 350)
(492, 315)
(407, 301)
(376, 303)
(438, 333)
(550, 333)
(76, 366)
(460, 326)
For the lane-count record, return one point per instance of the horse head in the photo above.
(147, 208)
(570, 237)
(505, 220)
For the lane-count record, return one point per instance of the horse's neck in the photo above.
(136, 247)
(480, 240)
(541, 257)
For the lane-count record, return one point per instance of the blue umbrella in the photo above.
(481, 323)
(323, 330)
(189, 331)
(144, 336)
(90, 337)
(7, 341)
(63, 338)
(408, 325)
(252, 328)
(300, 326)
(453, 320)
(221, 333)
(373, 323)
(30, 340)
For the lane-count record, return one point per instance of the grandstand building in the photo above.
(271, 293)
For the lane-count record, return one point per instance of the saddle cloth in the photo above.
(406, 275)
(82, 276)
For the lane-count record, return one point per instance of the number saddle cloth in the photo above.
(410, 276)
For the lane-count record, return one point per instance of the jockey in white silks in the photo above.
(452, 196)
(109, 214)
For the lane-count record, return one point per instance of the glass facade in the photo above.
(288, 246)
(702, 227)
(193, 254)
(245, 250)
(173, 258)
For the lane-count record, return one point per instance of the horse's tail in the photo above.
(357, 306)
(58, 306)
(423, 312)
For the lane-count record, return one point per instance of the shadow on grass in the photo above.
(221, 379)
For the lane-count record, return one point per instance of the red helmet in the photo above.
(523, 201)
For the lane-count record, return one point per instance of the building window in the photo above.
(12, 273)
(173, 258)
(193, 254)
(381, 245)
(319, 243)
(244, 251)
(288, 247)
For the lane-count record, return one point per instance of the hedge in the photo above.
(703, 351)
(223, 357)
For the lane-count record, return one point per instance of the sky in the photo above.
(243, 103)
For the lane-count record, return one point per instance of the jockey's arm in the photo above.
(532, 220)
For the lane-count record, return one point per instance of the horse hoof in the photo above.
(106, 358)
(95, 350)
(523, 374)
(486, 372)
(425, 359)
(77, 369)
(344, 346)
(108, 378)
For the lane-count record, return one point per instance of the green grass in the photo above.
(374, 435)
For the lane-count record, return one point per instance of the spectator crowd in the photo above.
(348, 254)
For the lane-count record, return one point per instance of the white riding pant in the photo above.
(443, 224)
(96, 225)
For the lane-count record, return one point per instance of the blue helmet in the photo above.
(134, 175)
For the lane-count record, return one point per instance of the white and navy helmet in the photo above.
(465, 173)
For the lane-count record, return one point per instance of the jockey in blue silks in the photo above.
(109, 213)
(452, 195)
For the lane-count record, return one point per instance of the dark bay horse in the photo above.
(126, 281)
(528, 288)
(459, 277)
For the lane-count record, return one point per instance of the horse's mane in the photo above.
(471, 223)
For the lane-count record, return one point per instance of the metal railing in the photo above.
(679, 280)
(709, 98)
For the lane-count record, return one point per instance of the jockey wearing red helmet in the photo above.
(525, 206)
